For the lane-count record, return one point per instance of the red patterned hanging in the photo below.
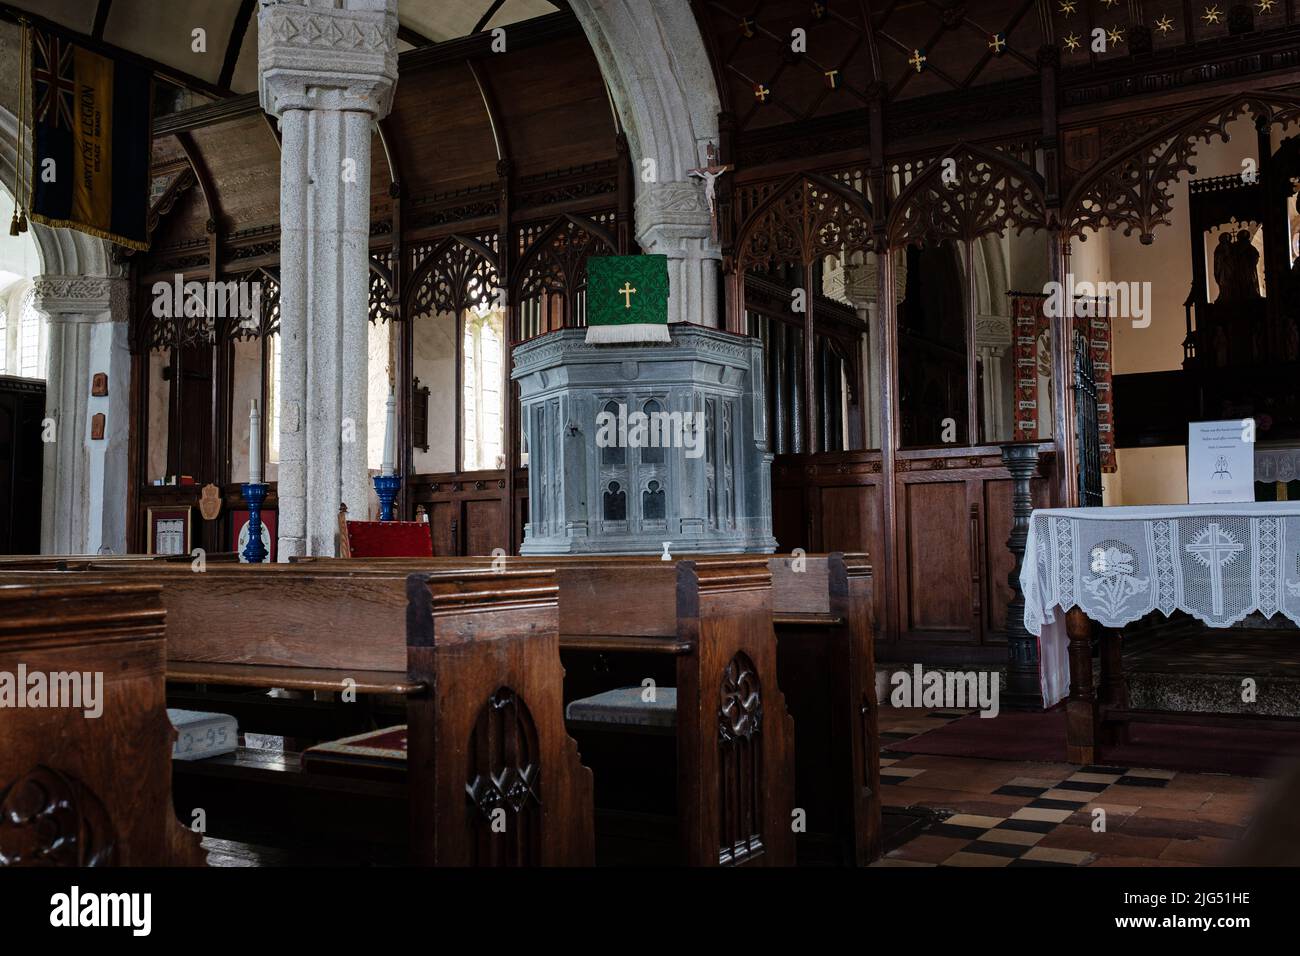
(1028, 323)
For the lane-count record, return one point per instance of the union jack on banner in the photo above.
(54, 89)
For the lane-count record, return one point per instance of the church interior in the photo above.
(854, 433)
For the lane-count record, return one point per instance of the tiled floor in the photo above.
(1020, 813)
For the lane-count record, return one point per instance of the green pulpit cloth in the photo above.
(627, 299)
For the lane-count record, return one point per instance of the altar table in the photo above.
(1217, 562)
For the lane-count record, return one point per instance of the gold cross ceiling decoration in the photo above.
(918, 60)
(998, 44)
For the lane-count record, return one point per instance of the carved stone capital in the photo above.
(85, 298)
(314, 57)
(670, 215)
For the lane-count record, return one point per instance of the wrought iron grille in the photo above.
(1087, 433)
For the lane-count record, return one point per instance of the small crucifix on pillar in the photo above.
(627, 292)
(710, 174)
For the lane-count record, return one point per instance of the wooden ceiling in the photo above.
(162, 31)
(543, 108)
(909, 49)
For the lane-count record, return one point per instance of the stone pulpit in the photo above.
(631, 446)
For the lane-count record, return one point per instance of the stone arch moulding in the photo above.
(447, 279)
(992, 192)
(1131, 190)
(654, 60)
(808, 216)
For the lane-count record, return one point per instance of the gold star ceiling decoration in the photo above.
(1072, 43)
(1115, 35)
(1265, 6)
(1212, 14)
(1067, 7)
(1164, 25)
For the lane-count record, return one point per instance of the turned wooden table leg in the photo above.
(1081, 716)
(1113, 692)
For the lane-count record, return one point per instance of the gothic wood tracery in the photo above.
(1133, 190)
(740, 762)
(457, 274)
(966, 193)
(809, 218)
(503, 786)
(555, 262)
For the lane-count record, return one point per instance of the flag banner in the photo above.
(627, 299)
(91, 141)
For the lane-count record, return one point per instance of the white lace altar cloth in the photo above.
(1217, 562)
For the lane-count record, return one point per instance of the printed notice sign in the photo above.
(1220, 461)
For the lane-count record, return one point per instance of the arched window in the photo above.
(31, 338)
(481, 357)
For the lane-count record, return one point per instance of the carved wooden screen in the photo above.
(452, 275)
(811, 339)
(551, 279)
(948, 204)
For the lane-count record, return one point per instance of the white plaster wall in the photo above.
(159, 390)
(246, 386)
(379, 381)
(435, 366)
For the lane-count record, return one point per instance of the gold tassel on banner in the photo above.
(19, 223)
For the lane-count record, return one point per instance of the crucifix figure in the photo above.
(627, 292)
(1214, 548)
(710, 174)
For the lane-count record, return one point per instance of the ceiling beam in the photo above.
(488, 15)
(238, 33)
(101, 19)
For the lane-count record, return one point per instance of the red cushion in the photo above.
(390, 539)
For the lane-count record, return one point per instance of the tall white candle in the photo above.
(254, 445)
(390, 437)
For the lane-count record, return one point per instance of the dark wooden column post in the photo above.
(1081, 718)
(1024, 690)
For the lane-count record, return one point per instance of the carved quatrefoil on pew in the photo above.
(741, 713)
(50, 819)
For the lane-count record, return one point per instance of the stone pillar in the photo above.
(84, 481)
(327, 73)
(673, 219)
(862, 288)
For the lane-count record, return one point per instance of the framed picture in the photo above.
(169, 530)
(239, 528)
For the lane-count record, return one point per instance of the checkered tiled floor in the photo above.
(1021, 813)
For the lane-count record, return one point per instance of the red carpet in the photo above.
(1041, 736)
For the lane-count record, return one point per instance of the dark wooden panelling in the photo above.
(938, 556)
(483, 526)
(997, 557)
(444, 149)
(556, 118)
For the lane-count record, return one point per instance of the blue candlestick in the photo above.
(254, 494)
(386, 487)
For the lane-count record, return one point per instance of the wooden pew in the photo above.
(315, 630)
(822, 614)
(77, 790)
(711, 623)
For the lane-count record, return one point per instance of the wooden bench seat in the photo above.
(487, 640)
